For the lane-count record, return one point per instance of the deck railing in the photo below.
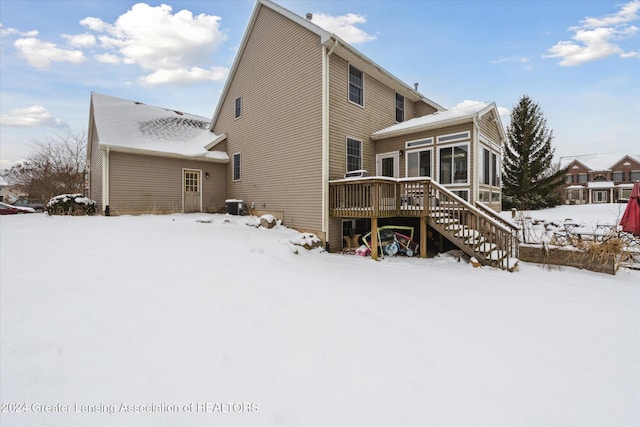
(472, 229)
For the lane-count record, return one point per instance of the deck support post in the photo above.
(423, 237)
(374, 238)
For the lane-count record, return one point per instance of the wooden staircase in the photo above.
(477, 230)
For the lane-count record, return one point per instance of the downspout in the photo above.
(325, 139)
(475, 188)
(105, 181)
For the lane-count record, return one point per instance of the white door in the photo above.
(388, 164)
(191, 191)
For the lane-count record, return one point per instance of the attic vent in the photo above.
(309, 16)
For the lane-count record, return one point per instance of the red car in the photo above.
(6, 209)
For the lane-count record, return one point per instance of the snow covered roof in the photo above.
(438, 119)
(127, 125)
(598, 162)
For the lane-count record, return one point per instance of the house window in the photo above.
(419, 143)
(568, 179)
(495, 170)
(238, 108)
(354, 155)
(617, 176)
(356, 86)
(399, 108)
(236, 167)
(419, 163)
(634, 176)
(454, 137)
(582, 177)
(454, 165)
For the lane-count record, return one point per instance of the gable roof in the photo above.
(125, 125)
(440, 119)
(329, 40)
(597, 162)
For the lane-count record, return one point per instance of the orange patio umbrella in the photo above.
(630, 221)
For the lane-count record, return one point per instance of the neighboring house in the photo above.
(599, 178)
(7, 193)
(301, 109)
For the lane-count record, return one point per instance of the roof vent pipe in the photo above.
(309, 16)
(415, 85)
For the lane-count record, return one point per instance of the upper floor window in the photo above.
(617, 176)
(568, 179)
(354, 155)
(583, 177)
(356, 85)
(238, 108)
(634, 176)
(399, 108)
(236, 167)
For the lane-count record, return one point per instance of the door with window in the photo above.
(191, 191)
(388, 164)
(599, 196)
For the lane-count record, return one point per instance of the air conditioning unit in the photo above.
(234, 207)
(356, 174)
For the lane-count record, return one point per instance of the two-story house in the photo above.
(300, 111)
(599, 178)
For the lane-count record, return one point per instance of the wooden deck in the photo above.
(480, 233)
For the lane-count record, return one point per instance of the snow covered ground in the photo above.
(171, 320)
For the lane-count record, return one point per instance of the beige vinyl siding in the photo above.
(489, 128)
(95, 169)
(149, 184)
(279, 136)
(422, 109)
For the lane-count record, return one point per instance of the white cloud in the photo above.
(108, 58)
(170, 46)
(183, 75)
(81, 40)
(32, 116)
(525, 62)
(9, 31)
(597, 38)
(344, 26)
(41, 54)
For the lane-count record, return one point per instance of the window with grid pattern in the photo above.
(354, 155)
(356, 85)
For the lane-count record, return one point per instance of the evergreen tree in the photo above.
(529, 178)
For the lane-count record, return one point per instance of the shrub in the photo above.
(71, 204)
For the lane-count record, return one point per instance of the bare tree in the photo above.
(56, 167)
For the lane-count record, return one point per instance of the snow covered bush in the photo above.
(71, 204)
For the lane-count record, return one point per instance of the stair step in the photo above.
(496, 255)
(446, 221)
(474, 241)
(456, 227)
(486, 247)
(467, 232)
(439, 215)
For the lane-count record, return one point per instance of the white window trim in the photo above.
(418, 150)
(234, 108)
(346, 153)
(464, 136)
(416, 143)
(349, 85)
(395, 108)
(233, 167)
(453, 184)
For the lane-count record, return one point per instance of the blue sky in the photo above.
(579, 60)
